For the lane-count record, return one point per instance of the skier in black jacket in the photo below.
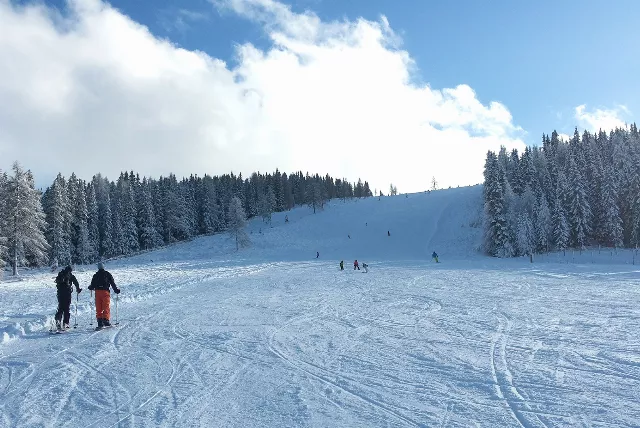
(101, 282)
(64, 284)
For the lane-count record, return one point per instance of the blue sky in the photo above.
(312, 85)
(541, 58)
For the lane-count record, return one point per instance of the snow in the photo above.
(272, 336)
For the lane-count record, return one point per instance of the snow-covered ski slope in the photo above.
(418, 224)
(272, 337)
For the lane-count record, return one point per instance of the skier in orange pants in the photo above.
(101, 282)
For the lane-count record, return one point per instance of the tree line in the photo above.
(78, 222)
(564, 194)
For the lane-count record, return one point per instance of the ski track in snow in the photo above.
(266, 338)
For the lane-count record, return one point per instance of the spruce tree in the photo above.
(236, 223)
(525, 236)
(127, 211)
(559, 223)
(543, 225)
(612, 226)
(93, 221)
(149, 236)
(83, 246)
(107, 243)
(579, 210)
(210, 210)
(26, 219)
(497, 241)
(4, 215)
(58, 214)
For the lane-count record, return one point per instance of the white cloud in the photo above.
(607, 119)
(180, 20)
(97, 92)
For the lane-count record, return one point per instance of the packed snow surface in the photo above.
(270, 336)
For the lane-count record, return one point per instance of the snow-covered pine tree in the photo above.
(72, 184)
(520, 217)
(126, 212)
(116, 220)
(236, 223)
(497, 240)
(315, 198)
(559, 221)
(108, 246)
(4, 214)
(26, 220)
(175, 223)
(635, 208)
(93, 221)
(612, 223)
(189, 195)
(83, 248)
(268, 205)
(525, 235)
(359, 189)
(149, 236)
(579, 210)
(513, 173)
(528, 174)
(596, 184)
(542, 225)
(209, 209)
(155, 188)
(58, 214)
(278, 190)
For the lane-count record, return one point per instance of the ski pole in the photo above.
(76, 324)
(117, 295)
(90, 299)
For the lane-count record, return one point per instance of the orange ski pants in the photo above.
(103, 301)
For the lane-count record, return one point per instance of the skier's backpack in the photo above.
(63, 281)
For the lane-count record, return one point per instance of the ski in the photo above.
(103, 328)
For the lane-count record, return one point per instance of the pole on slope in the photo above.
(117, 295)
(76, 323)
(90, 316)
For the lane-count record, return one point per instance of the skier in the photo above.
(355, 265)
(286, 219)
(317, 254)
(388, 233)
(101, 282)
(64, 284)
(434, 256)
(365, 267)
(341, 264)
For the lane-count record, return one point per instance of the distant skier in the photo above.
(388, 233)
(317, 254)
(286, 219)
(365, 267)
(355, 265)
(101, 282)
(349, 236)
(64, 284)
(434, 256)
(341, 264)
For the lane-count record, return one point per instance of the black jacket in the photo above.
(65, 282)
(102, 280)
